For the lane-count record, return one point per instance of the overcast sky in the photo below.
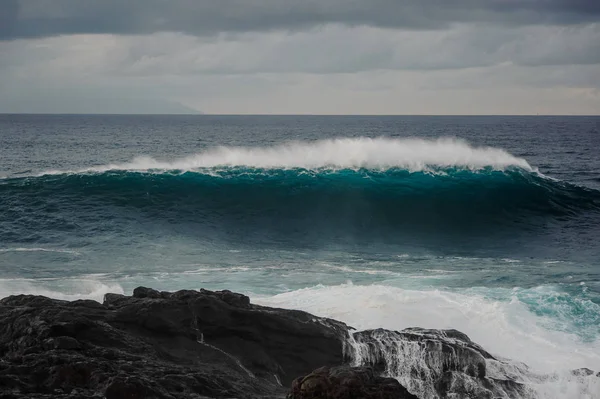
(301, 56)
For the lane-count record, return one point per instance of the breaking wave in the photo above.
(351, 153)
(399, 190)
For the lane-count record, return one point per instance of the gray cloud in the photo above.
(308, 56)
(497, 90)
(41, 18)
(329, 50)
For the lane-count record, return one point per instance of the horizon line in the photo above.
(302, 114)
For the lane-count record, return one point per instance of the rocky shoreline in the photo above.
(205, 344)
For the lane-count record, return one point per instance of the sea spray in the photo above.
(435, 363)
(432, 363)
(345, 153)
(516, 343)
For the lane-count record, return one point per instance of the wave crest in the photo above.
(411, 192)
(414, 155)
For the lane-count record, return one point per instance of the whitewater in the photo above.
(344, 153)
(481, 225)
(537, 352)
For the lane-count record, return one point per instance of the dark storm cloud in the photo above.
(40, 18)
(9, 12)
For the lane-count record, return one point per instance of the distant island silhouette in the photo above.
(94, 105)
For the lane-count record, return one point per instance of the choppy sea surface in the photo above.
(490, 225)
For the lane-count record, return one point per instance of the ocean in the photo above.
(489, 225)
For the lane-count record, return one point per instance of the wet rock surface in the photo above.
(436, 363)
(205, 344)
(347, 382)
(187, 344)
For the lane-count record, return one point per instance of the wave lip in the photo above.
(345, 153)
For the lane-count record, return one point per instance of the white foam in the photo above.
(225, 269)
(20, 249)
(345, 153)
(505, 328)
(67, 289)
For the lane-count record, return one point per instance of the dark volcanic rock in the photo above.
(346, 382)
(187, 344)
(204, 344)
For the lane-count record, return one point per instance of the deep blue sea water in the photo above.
(490, 225)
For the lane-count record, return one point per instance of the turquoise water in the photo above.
(490, 225)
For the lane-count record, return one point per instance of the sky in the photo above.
(300, 56)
